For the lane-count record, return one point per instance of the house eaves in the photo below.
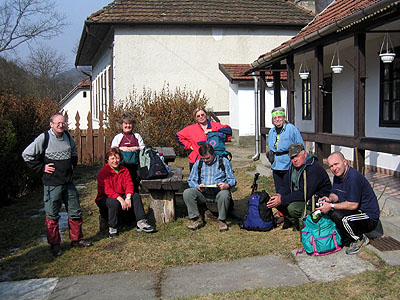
(302, 39)
(185, 13)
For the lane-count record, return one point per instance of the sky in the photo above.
(76, 12)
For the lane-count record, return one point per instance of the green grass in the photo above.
(25, 253)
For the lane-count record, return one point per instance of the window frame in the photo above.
(306, 102)
(389, 82)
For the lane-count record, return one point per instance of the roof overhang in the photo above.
(338, 27)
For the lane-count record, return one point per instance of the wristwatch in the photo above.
(332, 206)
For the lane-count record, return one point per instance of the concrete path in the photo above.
(179, 282)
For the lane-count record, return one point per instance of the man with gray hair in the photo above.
(290, 199)
(53, 155)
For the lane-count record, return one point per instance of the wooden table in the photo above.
(162, 191)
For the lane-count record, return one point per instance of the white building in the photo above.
(77, 100)
(136, 44)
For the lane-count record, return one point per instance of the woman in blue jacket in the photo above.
(280, 137)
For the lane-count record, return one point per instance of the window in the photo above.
(84, 94)
(100, 96)
(389, 111)
(306, 98)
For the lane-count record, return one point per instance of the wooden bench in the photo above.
(162, 191)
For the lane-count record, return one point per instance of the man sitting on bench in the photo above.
(209, 181)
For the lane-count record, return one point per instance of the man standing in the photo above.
(53, 154)
(352, 204)
(290, 198)
(209, 181)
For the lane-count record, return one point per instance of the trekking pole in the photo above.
(254, 186)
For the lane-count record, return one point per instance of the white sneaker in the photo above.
(112, 232)
(142, 225)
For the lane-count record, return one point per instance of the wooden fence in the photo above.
(91, 143)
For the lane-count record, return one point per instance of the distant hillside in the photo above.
(14, 77)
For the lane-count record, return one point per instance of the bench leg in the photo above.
(162, 204)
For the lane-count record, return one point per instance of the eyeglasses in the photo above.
(59, 123)
(201, 115)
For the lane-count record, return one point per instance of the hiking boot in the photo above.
(81, 244)
(222, 226)
(56, 250)
(102, 224)
(112, 232)
(197, 224)
(286, 224)
(142, 225)
(355, 247)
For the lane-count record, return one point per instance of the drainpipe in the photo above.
(257, 136)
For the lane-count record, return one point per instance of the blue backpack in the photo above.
(320, 236)
(217, 141)
(259, 216)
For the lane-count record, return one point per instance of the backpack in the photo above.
(151, 165)
(318, 233)
(320, 236)
(47, 137)
(259, 216)
(217, 141)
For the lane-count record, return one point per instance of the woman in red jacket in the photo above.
(115, 194)
(193, 136)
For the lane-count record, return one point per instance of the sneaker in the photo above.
(355, 247)
(197, 224)
(102, 224)
(81, 244)
(222, 226)
(56, 250)
(112, 232)
(142, 225)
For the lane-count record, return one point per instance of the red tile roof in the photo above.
(235, 72)
(276, 12)
(85, 82)
(333, 15)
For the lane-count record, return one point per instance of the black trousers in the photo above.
(278, 179)
(111, 210)
(352, 224)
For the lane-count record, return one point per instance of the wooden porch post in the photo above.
(262, 112)
(359, 98)
(277, 88)
(290, 89)
(317, 80)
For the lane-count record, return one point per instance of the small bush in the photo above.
(159, 116)
(21, 120)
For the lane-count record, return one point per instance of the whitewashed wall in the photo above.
(152, 56)
(77, 103)
(242, 108)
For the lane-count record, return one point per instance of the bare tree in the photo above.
(25, 20)
(45, 63)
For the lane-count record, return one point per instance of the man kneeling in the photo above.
(210, 181)
(352, 204)
(290, 198)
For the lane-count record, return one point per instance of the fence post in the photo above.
(101, 149)
(89, 140)
(78, 138)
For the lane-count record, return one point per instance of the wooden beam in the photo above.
(290, 89)
(277, 88)
(359, 97)
(262, 85)
(317, 79)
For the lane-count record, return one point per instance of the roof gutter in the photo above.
(321, 33)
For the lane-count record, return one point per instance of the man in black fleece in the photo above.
(54, 157)
(289, 200)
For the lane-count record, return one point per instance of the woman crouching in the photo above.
(115, 195)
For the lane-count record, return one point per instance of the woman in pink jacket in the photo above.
(193, 136)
